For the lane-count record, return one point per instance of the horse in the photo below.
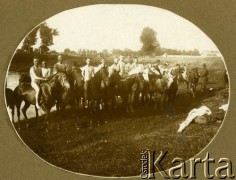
(97, 91)
(77, 89)
(10, 101)
(191, 78)
(166, 88)
(126, 88)
(50, 91)
(150, 75)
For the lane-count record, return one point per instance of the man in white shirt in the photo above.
(128, 66)
(121, 66)
(36, 77)
(46, 72)
(87, 73)
(114, 67)
(134, 64)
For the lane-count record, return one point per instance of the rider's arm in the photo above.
(55, 69)
(34, 76)
(93, 71)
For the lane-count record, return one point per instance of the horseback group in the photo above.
(98, 88)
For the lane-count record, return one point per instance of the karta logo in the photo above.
(152, 164)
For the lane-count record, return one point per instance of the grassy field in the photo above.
(114, 147)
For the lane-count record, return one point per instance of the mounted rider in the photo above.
(121, 66)
(59, 66)
(36, 78)
(114, 67)
(46, 72)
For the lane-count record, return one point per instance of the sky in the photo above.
(99, 27)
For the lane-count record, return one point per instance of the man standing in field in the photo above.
(36, 78)
(87, 73)
(204, 77)
(59, 66)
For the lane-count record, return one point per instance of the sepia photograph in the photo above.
(92, 89)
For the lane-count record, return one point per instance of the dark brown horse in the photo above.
(126, 88)
(97, 88)
(50, 91)
(191, 78)
(10, 101)
(75, 96)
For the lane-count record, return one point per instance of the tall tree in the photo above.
(30, 40)
(149, 40)
(67, 51)
(46, 34)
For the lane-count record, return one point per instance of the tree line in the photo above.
(148, 38)
(46, 35)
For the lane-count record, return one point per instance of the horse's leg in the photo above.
(36, 112)
(75, 107)
(12, 107)
(62, 114)
(192, 90)
(46, 120)
(125, 103)
(132, 102)
(187, 84)
(24, 109)
(18, 105)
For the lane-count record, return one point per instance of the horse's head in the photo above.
(78, 78)
(104, 76)
(139, 79)
(60, 79)
(114, 78)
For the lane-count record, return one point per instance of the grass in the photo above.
(113, 149)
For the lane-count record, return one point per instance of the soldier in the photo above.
(59, 66)
(204, 77)
(46, 72)
(36, 78)
(121, 66)
(103, 64)
(135, 63)
(87, 73)
(128, 66)
(114, 67)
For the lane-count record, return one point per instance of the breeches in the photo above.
(36, 87)
(204, 82)
(86, 89)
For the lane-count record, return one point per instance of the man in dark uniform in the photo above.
(204, 77)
